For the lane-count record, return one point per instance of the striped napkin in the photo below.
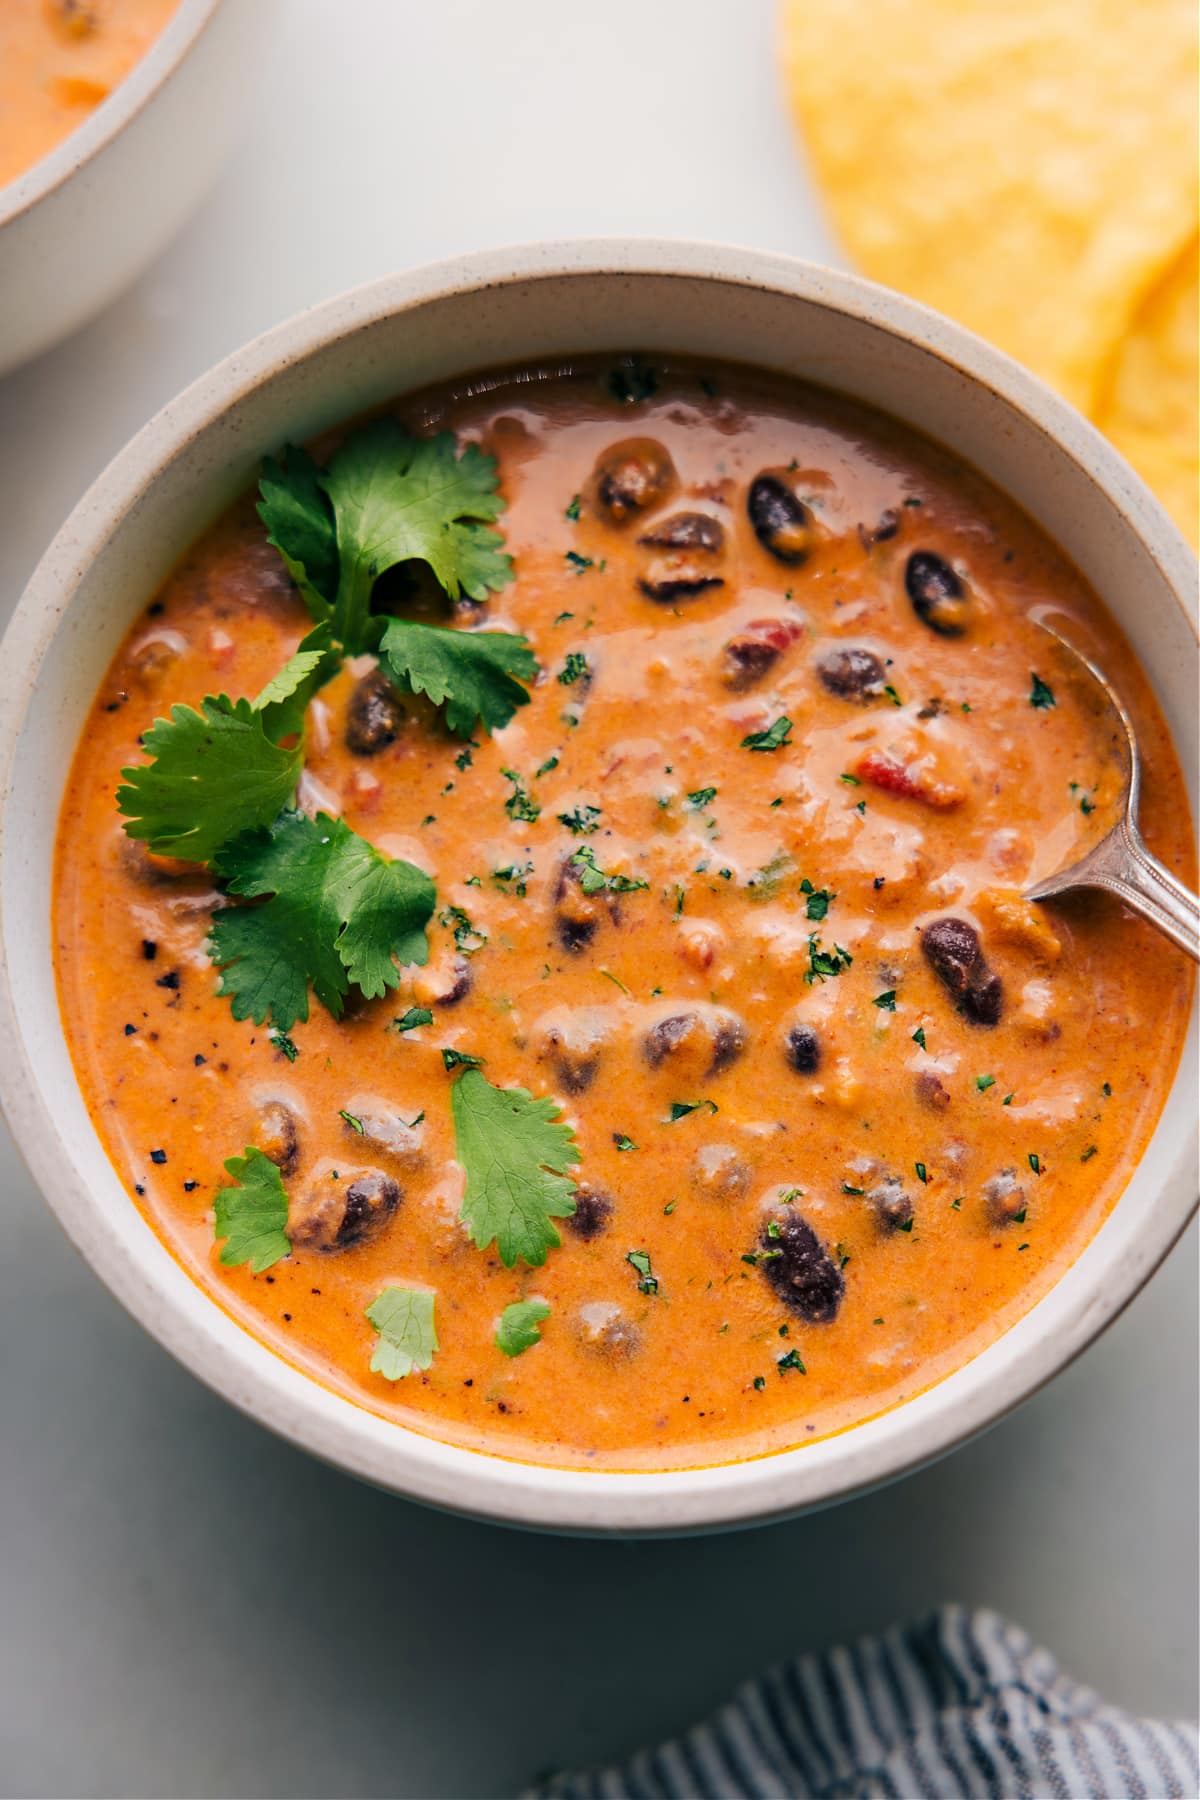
(962, 1704)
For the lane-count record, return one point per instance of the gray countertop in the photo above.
(192, 1608)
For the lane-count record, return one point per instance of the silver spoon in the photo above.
(1120, 862)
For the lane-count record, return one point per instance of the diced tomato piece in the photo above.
(884, 770)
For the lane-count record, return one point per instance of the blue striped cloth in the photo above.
(961, 1705)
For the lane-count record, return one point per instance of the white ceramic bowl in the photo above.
(82, 222)
(338, 359)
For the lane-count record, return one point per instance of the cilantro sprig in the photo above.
(516, 1152)
(224, 768)
(335, 912)
(384, 498)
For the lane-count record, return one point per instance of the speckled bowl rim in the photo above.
(176, 1311)
(130, 96)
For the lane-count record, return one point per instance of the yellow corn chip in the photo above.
(1147, 405)
(1027, 166)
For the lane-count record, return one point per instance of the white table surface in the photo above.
(188, 1607)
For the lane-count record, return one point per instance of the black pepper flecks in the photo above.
(149, 949)
(169, 980)
(158, 1156)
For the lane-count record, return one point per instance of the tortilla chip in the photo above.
(1027, 166)
(1148, 406)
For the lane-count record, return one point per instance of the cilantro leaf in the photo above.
(518, 1327)
(471, 673)
(773, 738)
(300, 526)
(252, 1218)
(403, 1317)
(397, 498)
(215, 773)
(822, 963)
(339, 912)
(681, 1108)
(414, 1017)
(647, 1279)
(593, 880)
(582, 821)
(1041, 694)
(283, 703)
(516, 1151)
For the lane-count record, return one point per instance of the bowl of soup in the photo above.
(115, 117)
(520, 787)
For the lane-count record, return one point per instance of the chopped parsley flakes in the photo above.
(773, 738)
(818, 902)
(681, 1108)
(581, 820)
(823, 963)
(520, 803)
(647, 1280)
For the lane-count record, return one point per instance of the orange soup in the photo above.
(575, 996)
(58, 60)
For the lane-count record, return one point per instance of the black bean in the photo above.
(720, 1038)
(78, 18)
(684, 584)
(374, 715)
(607, 1331)
(460, 979)
(951, 948)
(575, 1060)
(931, 1091)
(277, 1136)
(800, 1269)
(885, 527)
(370, 1199)
(152, 660)
(892, 1206)
(729, 1040)
(938, 596)
(576, 914)
(718, 1173)
(983, 1001)
(852, 673)
(782, 523)
(802, 1048)
(1004, 1198)
(593, 1210)
(687, 531)
(747, 660)
(631, 477)
(665, 1037)
(336, 1214)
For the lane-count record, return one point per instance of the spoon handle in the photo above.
(1123, 866)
